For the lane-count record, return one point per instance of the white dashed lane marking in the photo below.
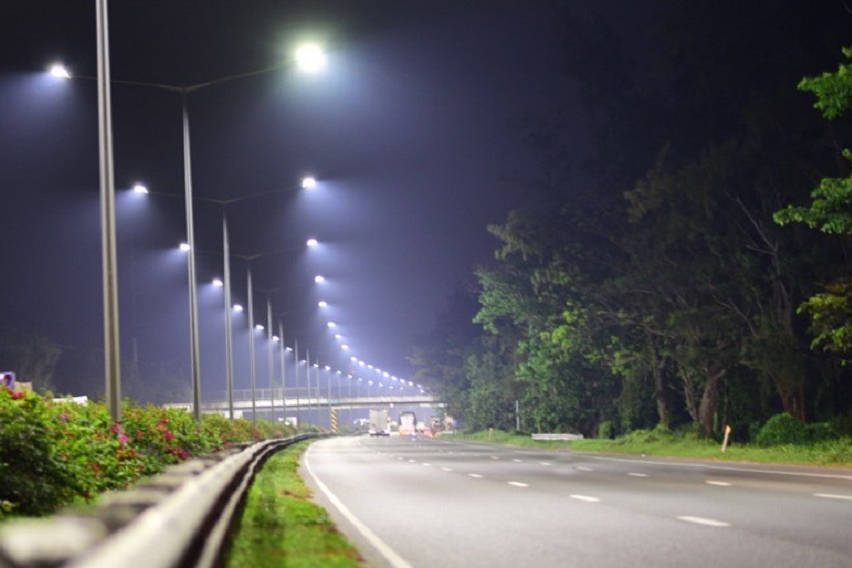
(704, 521)
(634, 474)
(833, 496)
(411, 461)
(516, 460)
(426, 464)
(584, 468)
(719, 483)
(544, 463)
(518, 484)
(447, 469)
(586, 498)
(476, 475)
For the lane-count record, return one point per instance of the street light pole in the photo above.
(195, 359)
(229, 341)
(270, 358)
(308, 376)
(283, 373)
(112, 355)
(252, 375)
(296, 382)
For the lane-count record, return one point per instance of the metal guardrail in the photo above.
(179, 518)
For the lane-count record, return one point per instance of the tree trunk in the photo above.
(659, 391)
(708, 402)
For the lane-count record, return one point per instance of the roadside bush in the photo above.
(35, 477)
(605, 429)
(820, 432)
(781, 429)
(53, 453)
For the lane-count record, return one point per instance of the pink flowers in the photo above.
(168, 435)
(114, 427)
(122, 439)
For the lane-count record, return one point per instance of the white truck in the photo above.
(379, 425)
(407, 424)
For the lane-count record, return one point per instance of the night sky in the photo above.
(420, 130)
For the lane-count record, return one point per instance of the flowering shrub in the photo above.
(53, 453)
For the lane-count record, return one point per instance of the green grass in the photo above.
(281, 527)
(660, 443)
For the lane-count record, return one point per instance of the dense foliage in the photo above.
(691, 295)
(55, 453)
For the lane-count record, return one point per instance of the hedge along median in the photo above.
(56, 453)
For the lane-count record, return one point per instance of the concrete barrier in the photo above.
(551, 437)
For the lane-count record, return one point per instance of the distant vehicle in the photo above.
(407, 424)
(379, 425)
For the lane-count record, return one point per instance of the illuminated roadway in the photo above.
(446, 504)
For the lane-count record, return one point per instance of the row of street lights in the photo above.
(309, 57)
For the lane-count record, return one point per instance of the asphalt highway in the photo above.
(445, 504)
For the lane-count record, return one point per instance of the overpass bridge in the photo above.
(314, 408)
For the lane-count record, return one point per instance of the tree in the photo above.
(830, 212)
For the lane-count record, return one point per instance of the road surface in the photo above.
(445, 504)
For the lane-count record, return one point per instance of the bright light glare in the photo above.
(345, 347)
(386, 374)
(140, 188)
(276, 338)
(59, 71)
(259, 327)
(410, 383)
(338, 336)
(327, 368)
(361, 363)
(322, 304)
(238, 308)
(319, 279)
(354, 359)
(184, 247)
(312, 242)
(369, 366)
(331, 324)
(309, 182)
(218, 282)
(310, 57)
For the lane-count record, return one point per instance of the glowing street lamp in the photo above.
(309, 182)
(59, 71)
(322, 304)
(259, 327)
(312, 242)
(319, 279)
(140, 188)
(338, 337)
(331, 325)
(310, 57)
(237, 308)
(184, 247)
(354, 359)
(217, 282)
(345, 347)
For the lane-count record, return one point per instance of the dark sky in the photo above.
(418, 131)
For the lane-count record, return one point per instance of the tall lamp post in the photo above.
(112, 356)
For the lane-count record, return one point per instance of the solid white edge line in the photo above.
(518, 484)
(833, 496)
(719, 467)
(386, 551)
(586, 498)
(703, 521)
